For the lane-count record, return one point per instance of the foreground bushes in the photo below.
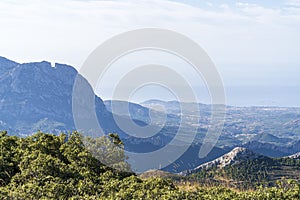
(45, 166)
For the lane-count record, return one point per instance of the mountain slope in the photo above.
(235, 156)
(273, 150)
(294, 156)
(36, 96)
(269, 138)
(33, 92)
(266, 124)
(243, 168)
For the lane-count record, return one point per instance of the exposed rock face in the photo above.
(37, 96)
(238, 154)
(294, 156)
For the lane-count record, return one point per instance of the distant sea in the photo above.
(281, 96)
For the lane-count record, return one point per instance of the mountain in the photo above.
(174, 107)
(293, 124)
(142, 113)
(6, 65)
(273, 150)
(190, 159)
(37, 96)
(269, 138)
(294, 156)
(124, 108)
(236, 155)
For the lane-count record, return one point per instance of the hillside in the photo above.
(274, 125)
(273, 150)
(235, 156)
(294, 156)
(243, 168)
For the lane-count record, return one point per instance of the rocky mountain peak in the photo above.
(6, 65)
(238, 154)
(294, 156)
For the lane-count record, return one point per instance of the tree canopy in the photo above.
(46, 166)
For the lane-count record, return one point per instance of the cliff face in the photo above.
(37, 96)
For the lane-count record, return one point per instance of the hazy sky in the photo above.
(254, 44)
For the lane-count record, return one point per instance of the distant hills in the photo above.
(271, 131)
(273, 150)
(277, 125)
(237, 155)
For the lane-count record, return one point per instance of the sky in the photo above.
(254, 44)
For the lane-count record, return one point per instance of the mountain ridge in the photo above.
(238, 154)
(294, 156)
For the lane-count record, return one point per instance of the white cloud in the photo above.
(67, 31)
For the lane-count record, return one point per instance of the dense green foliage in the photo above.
(45, 166)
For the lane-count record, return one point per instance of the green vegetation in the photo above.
(45, 166)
